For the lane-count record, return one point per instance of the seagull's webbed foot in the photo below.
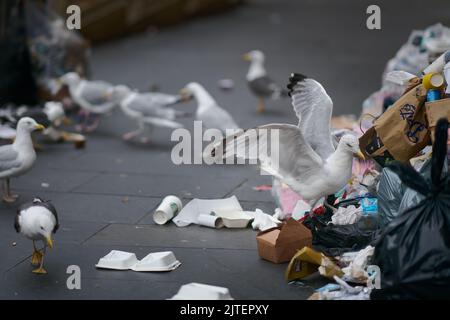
(39, 270)
(36, 258)
(130, 135)
(9, 198)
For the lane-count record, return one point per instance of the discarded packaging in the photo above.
(211, 221)
(157, 261)
(121, 260)
(169, 207)
(356, 270)
(280, 244)
(117, 260)
(307, 261)
(233, 219)
(262, 221)
(347, 215)
(437, 66)
(199, 291)
(190, 213)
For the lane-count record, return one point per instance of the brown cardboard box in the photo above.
(436, 110)
(280, 244)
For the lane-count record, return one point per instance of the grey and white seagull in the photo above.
(149, 110)
(18, 157)
(259, 83)
(37, 221)
(307, 160)
(92, 97)
(208, 111)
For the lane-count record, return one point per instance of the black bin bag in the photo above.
(413, 252)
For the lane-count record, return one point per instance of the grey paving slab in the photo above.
(171, 236)
(160, 186)
(104, 208)
(51, 180)
(211, 266)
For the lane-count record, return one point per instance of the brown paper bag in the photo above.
(403, 127)
(436, 110)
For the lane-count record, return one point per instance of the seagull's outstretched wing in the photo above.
(313, 107)
(295, 158)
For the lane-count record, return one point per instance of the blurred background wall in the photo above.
(107, 19)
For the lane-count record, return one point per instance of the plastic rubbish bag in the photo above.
(334, 240)
(390, 194)
(413, 252)
(54, 49)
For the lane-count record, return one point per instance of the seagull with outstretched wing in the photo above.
(306, 159)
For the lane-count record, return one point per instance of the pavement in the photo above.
(105, 194)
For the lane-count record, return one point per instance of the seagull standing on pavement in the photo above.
(18, 157)
(258, 81)
(37, 221)
(306, 160)
(208, 111)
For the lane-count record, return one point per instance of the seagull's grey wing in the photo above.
(152, 114)
(9, 158)
(280, 149)
(50, 207)
(313, 106)
(217, 118)
(162, 99)
(95, 92)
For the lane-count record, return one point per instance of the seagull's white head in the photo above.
(54, 110)
(70, 78)
(29, 124)
(190, 90)
(254, 56)
(350, 143)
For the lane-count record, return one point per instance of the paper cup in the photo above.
(169, 208)
(211, 221)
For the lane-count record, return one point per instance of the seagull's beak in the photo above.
(39, 127)
(49, 241)
(247, 57)
(360, 155)
(185, 94)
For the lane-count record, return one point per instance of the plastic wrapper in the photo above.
(413, 252)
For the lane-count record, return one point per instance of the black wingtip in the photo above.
(294, 79)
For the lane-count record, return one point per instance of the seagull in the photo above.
(149, 110)
(91, 96)
(258, 81)
(307, 160)
(208, 111)
(37, 221)
(18, 157)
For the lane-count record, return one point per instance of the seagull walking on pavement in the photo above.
(149, 110)
(37, 221)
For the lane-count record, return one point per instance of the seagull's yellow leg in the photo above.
(41, 269)
(261, 106)
(37, 256)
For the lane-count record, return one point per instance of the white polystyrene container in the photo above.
(118, 260)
